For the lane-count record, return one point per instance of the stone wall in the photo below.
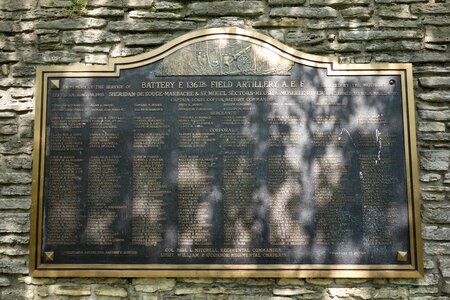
(36, 32)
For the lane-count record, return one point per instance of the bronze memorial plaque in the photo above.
(225, 153)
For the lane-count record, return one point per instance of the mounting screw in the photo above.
(402, 255)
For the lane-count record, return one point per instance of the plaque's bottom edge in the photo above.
(231, 273)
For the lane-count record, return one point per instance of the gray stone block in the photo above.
(431, 8)
(346, 47)
(16, 293)
(226, 8)
(147, 39)
(16, 27)
(91, 36)
(435, 96)
(443, 115)
(69, 24)
(429, 279)
(13, 250)
(436, 214)
(435, 47)
(15, 178)
(24, 15)
(18, 162)
(435, 160)
(6, 57)
(363, 35)
(432, 126)
(334, 24)
(399, 1)
(432, 196)
(446, 287)
(437, 34)
(92, 49)
(435, 188)
(59, 57)
(421, 290)
(13, 5)
(71, 290)
(14, 239)
(22, 70)
(357, 12)
(227, 22)
(16, 190)
(397, 11)
(433, 232)
(6, 45)
(150, 285)
(394, 46)
(139, 14)
(436, 20)
(98, 59)
(120, 51)
(51, 13)
(286, 2)
(429, 57)
(435, 82)
(16, 203)
(8, 129)
(14, 222)
(110, 291)
(168, 5)
(49, 38)
(103, 12)
(54, 3)
(17, 92)
(304, 12)
(139, 3)
(107, 3)
(4, 281)
(392, 23)
(300, 37)
(164, 25)
(444, 266)
(339, 2)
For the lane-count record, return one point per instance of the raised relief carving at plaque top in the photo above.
(224, 57)
(225, 153)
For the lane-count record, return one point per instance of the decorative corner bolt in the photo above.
(54, 84)
(402, 255)
(49, 256)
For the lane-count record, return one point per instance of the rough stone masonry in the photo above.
(37, 32)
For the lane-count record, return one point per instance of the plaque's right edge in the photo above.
(412, 170)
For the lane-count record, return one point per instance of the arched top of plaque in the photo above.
(227, 51)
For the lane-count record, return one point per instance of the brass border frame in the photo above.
(113, 68)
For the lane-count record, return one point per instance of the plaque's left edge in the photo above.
(36, 178)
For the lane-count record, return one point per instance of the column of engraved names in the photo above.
(285, 189)
(103, 189)
(239, 200)
(194, 211)
(63, 216)
(103, 174)
(238, 180)
(379, 212)
(194, 138)
(148, 206)
(148, 203)
(378, 208)
(333, 223)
